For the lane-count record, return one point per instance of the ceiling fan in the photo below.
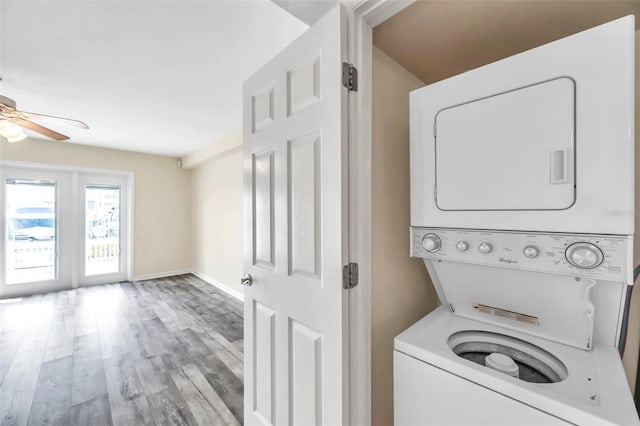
(12, 121)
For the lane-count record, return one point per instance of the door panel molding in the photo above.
(263, 363)
(264, 208)
(304, 184)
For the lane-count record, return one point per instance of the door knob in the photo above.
(246, 280)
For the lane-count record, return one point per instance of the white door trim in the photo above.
(364, 16)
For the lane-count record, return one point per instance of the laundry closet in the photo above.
(425, 43)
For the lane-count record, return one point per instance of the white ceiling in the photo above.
(308, 11)
(161, 77)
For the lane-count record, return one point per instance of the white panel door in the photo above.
(295, 178)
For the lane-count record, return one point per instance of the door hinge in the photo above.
(349, 276)
(349, 77)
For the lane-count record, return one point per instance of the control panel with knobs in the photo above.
(531, 251)
(587, 255)
(431, 243)
(485, 248)
(584, 255)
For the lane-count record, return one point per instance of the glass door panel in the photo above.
(31, 231)
(102, 225)
(36, 230)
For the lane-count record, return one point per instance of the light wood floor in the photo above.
(165, 352)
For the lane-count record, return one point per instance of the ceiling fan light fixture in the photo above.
(12, 132)
(10, 117)
(18, 138)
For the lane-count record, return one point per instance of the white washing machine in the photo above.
(522, 337)
(437, 387)
(522, 208)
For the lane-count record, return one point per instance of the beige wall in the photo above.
(217, 218)
(226, 143)
(401, 291)
(434, 40)
(162, 228)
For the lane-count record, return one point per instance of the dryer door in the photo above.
(509, 151)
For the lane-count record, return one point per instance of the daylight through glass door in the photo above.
(31, 242)
(102, 226)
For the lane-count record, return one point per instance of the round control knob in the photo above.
(584, 255)
(462, 245)
(531, 251)
(484, 248)
(431, 243)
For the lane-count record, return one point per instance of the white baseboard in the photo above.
(231, 292)
(161, 275)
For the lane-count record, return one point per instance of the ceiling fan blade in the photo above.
(53, 120)
(39, 129)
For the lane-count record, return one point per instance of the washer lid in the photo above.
(553, 307)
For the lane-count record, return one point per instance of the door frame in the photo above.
(364, 16)
(129, 197)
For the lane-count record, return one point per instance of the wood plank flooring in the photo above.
(157, 352)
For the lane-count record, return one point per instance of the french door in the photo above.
(60, 229)
(37, 226)
(103, 241)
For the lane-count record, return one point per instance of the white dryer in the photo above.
(522, 203)
(540, 141)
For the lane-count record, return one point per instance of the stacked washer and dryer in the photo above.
(522, 207)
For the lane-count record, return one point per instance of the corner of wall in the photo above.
(228, 142)
(216, 214)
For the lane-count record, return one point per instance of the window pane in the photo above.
(31, 231)
(102, 239)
